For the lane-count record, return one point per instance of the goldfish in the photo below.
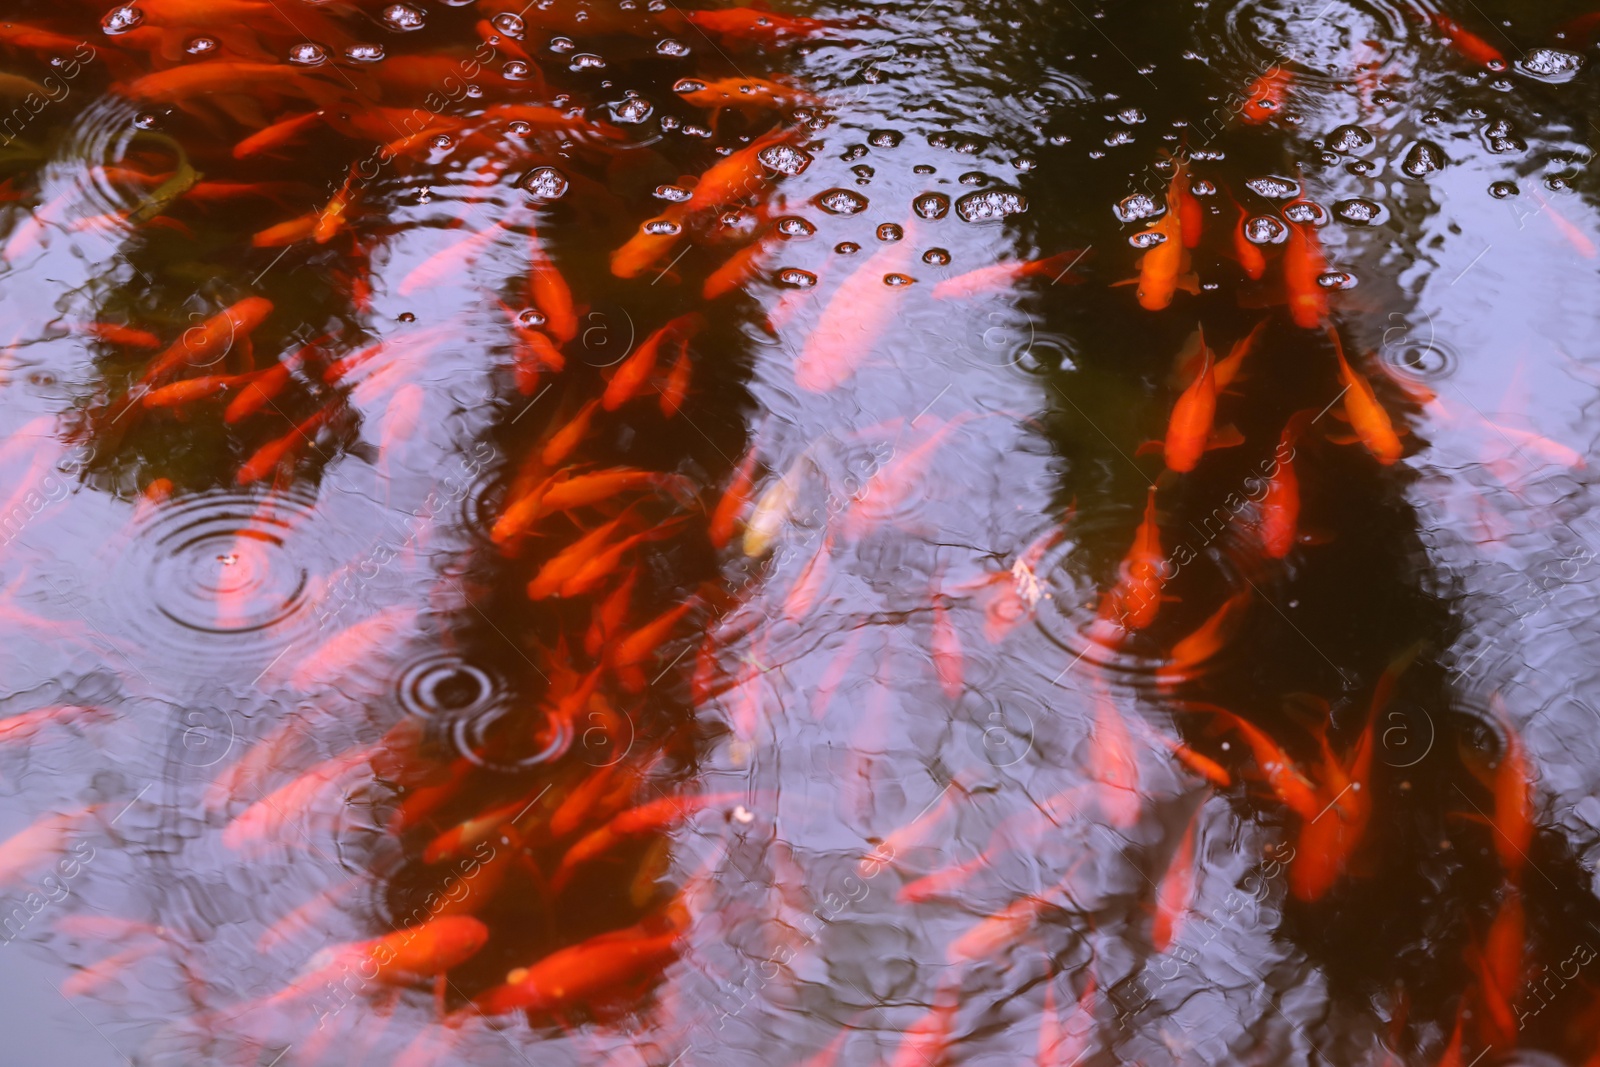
(128, 336)
(676, 387)
(1251, 259)
(277, 135)
(1112, 761)
(896, 482)
(548, 291)
(634, 371)
(575, 973)
(91, 979)
(610, 614)
(1061, 1046)
(292, 231)
(1280, 504)
(449, 261)
(1266, 96)
(999, 276)
(651, 817)
(264, 387)
(1286, 780)
(1367, 417)
(1189, 429)
(1164, 267)
(601, 563)
(734, 501)
(271, 455)
(47, 840)
(927, 1041)
(1207, 640)
(1175, 894)
(1302, 266)
(808, 584)
(1579, 240)
(268, 818)
(23, 727)
(205, 344)
(1331, 837)
(433, 948)
(945, 650)
(857, 314)
(1137, 595)
(743, 94)
(773, 509)
(1002, 929)
(1511, 816)
(337, 654)
(1501, 967)
(1191, 216)
(1465, 41)
(632, 649)
(191, 389)
(738, 269)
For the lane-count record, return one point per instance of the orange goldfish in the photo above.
(633, 649)
(203, 345)
(1137, 595)
(1209, 638)
(1189, 429)
(266, 459)
(1302, 266)
(896, 482)
(25, 853)
(927, 1041)
(337, 654)
(1285, 779)
(1367, 417)
(580, 971)
(116, 334)
(1164, 268)
(999, 276)
(743, 94)
(1246, 251)
(25, 726)
(648, 818)
(676, 388)
(735, 500)
(1280, 504)
(277, 135)
(946, 650)
(269, 818)
(632, 374)
(1061, 1046)
(809, 582)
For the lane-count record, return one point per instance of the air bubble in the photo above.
(1336, 279)
(121, 20)
(794, 278)
(847, 248)
(991, 205)
(364, 53)
(931, 206)
(510, 24)
(1265, 230)
(671, 47)
(936, 257)
(898, 280)
(784, 159)
(890, 231)
(308, 54)
(1273, 187)
(545, 183)
(841, 202)
(403, 18)
(1137, 206)
(201, 46)
(676, 194)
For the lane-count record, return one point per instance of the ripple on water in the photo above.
(1320, 44)
(220, 572)
(1206, 562)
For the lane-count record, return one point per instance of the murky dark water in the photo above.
(611, 533)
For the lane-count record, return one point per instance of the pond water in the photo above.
(932, 533)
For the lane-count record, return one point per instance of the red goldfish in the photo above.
(755, 24)
(734, 501)
(268, 818)
(1265, 98)
(203, 345)
(1465, 41)
(1246, 251)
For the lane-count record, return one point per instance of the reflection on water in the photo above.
(946, 533)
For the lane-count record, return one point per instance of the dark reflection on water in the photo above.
(815, 734)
